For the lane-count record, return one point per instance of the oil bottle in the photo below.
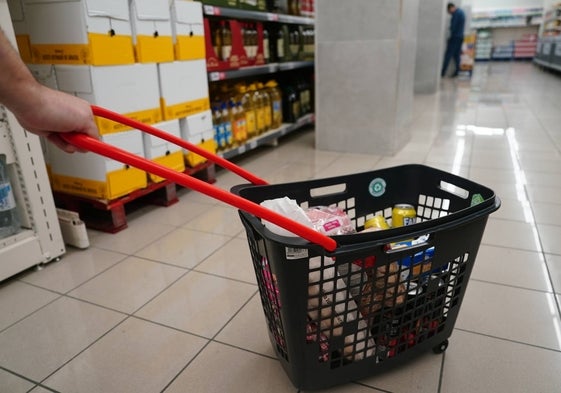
(266, 102)
(276, 103)
(249, 111)
(9, 222)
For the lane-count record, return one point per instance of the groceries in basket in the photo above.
(331, 305)
(329, 220)
(362, 293)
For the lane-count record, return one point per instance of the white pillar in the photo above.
(365, 64)
(430, 45)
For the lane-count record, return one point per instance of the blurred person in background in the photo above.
(455, 40)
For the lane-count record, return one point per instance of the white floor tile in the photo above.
(478, 364)
(135, 357)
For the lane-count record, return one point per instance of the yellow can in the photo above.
(403, 214)
(376, 223)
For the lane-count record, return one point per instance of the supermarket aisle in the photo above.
(171, 303)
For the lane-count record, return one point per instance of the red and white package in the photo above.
(330, 220)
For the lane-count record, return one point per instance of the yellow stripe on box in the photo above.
(107, 49)
(119, 183)
(194, 159)
(24, 47)
(190, 48)
(102, 49)
(173, 161)
(149, 116)
(184, 109)
(150, 49)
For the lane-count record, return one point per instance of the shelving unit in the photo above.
(548, 53)
(40, 239)
(269, 137)
(507, 34)
(271, 69)
(234, 13)
(266, 69)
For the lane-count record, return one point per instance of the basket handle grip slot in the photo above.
(334, 189)
(454, 189)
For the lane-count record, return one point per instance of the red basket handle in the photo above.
(110, 115)
(86, 142)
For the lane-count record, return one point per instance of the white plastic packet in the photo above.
(288, 208)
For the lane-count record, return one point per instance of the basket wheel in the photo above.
(440, 348)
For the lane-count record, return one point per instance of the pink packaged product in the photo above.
(330, 220)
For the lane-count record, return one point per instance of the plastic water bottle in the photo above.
(9, 223)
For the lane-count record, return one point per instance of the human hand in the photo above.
(50, 113)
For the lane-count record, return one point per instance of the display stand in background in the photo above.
(467, 58)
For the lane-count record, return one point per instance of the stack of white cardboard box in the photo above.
(144, 59)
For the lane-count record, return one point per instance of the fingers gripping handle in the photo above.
(88, 143)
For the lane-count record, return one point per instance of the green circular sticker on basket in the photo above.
(377, 187)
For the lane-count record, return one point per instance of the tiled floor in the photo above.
(171, 304)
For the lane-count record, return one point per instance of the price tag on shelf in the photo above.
(241, 149)
(252, 144)
(272, 17)
(216, 76)
(208, 9)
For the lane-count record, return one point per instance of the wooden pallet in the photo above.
(110, 216)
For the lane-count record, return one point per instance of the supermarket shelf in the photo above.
(268, 137)
(211, 10)
(292, 65)
(545, 64)
(245, 72)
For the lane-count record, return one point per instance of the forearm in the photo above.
(16, 81)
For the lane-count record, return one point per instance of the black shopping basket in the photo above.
(346, 307)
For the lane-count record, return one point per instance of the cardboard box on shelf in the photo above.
(198, 130)
(91, 175)
(163, 152)
(151, 31)
(224, 45)
(131, 90)
(17, 13)
(96, 32)
(187, 29)
(183, 88)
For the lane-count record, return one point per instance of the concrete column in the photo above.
(365, 64)
(431, 44)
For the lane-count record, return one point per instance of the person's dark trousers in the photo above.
(453, 51)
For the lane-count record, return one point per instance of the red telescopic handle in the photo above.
(88, 143)
(110, 115)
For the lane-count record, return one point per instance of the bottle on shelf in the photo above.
(280, 55)
(227, 139)
(9, 222)
(226, 36)
(294, 7)
(241, 123)
(276, 103)
(292, 104)
(294, 43)
(235, 121)
(267, 109)
(266, 52)
(249, 111)
(217, 125)
(217, 41)
(258, 107)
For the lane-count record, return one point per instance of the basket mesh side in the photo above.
(270, 297)
(359, 310)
